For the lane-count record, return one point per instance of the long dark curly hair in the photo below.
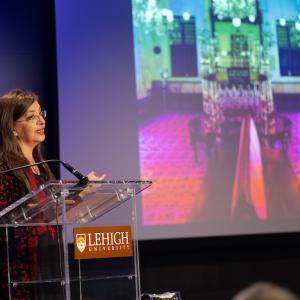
(13, 105)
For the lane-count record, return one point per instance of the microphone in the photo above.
(82, 178)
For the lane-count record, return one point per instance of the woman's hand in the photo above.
(92, 188)
(93, 177)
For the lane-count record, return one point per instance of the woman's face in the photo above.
(30, 128)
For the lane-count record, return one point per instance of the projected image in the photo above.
(218, 96)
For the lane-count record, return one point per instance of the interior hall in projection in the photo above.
(218, 97)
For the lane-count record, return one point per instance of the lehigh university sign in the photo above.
(102, 242)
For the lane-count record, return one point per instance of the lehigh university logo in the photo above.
(102, 242)
(81, 241)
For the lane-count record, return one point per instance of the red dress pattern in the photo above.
(23, 244)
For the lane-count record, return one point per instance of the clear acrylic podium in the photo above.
(43, 221)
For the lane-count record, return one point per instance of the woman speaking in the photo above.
(22, 130)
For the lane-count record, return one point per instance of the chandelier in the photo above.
(151, 17)
(241, 9)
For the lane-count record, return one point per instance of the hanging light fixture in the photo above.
(186, 15)
(252, 18)
(282, 21)
(236, 22)
(164, 12)
(170, 17)
(149, 16)
(234, 8)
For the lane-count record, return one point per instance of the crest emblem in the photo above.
(81, 242)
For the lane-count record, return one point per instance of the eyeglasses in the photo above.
(32, 118)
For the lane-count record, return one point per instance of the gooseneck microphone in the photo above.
(82, 178)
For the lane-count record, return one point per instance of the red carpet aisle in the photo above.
(167, 158)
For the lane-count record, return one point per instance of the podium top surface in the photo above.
(59, 202)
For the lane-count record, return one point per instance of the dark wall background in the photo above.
(201, 268)
(216, 268)
(27, 57)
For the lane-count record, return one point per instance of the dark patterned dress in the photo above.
(23, 242)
